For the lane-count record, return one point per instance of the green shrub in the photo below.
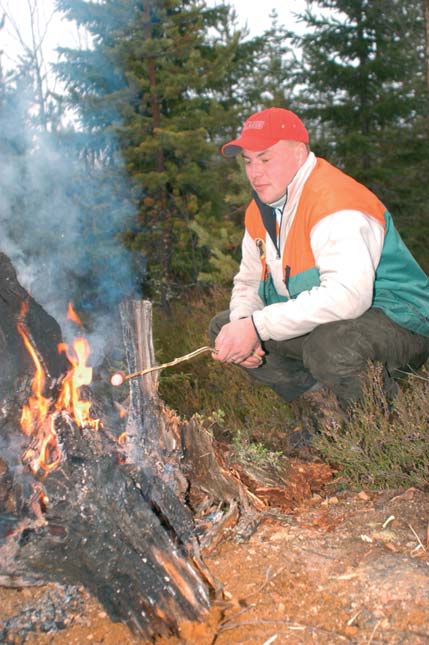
(254, 454)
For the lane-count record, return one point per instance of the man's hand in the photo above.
(255, 359)
(236, 342)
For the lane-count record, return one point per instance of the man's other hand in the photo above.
(255, 359)
(236, 342)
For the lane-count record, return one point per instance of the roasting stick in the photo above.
(118, 378)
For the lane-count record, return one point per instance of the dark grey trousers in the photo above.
(337, 354)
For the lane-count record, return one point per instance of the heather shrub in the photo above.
(383, 444)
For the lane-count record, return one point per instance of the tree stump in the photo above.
(152, 431)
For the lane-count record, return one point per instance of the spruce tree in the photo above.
(274, 76)
(161, 78)
(365, 99)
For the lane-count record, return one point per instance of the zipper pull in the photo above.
(287, 276)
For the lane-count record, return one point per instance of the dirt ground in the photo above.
(341, 568)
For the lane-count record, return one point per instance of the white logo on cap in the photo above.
(254, 125)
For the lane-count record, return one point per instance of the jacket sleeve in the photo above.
(244, 298)
(347, 248)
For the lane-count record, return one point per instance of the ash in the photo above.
(56, 609)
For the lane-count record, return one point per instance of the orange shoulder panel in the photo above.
(327, 190)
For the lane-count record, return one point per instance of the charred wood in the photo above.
(50, 609)
(16, 363)
(185, 454)
(99, 527)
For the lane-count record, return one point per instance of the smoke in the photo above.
(61, 220)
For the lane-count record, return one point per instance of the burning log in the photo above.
(77, 506)
(17, 364)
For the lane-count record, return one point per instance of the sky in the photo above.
(64, 33)
(257, 15)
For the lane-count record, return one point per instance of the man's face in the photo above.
(272, 170)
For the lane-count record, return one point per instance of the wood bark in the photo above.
(152, 431)
(183, 451)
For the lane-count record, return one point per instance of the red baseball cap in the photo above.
(263, 129)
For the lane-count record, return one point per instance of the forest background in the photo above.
(114, 187)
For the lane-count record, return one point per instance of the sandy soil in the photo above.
(342, 568)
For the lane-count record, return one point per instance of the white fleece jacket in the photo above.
(347, 248)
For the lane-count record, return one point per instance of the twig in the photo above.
(421, 545)
(353, 618)
(268, 578)
(120, 377)
(387, 522)
(321, 555)
(373, 632)
(176, 361)
(242, 611)
(412, 372)
(271, 640)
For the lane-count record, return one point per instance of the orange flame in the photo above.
(44, 452)
(72, 315)
(79, 375)
(39, 414)
(38, 405)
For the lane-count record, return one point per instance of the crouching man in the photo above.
(325, 283)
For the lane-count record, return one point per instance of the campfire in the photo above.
(113, 506)
(75, 506)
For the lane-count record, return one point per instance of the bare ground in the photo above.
(339, 568)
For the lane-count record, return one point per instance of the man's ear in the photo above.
(302, 152)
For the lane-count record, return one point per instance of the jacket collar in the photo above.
(296, 185)
(268, 215)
